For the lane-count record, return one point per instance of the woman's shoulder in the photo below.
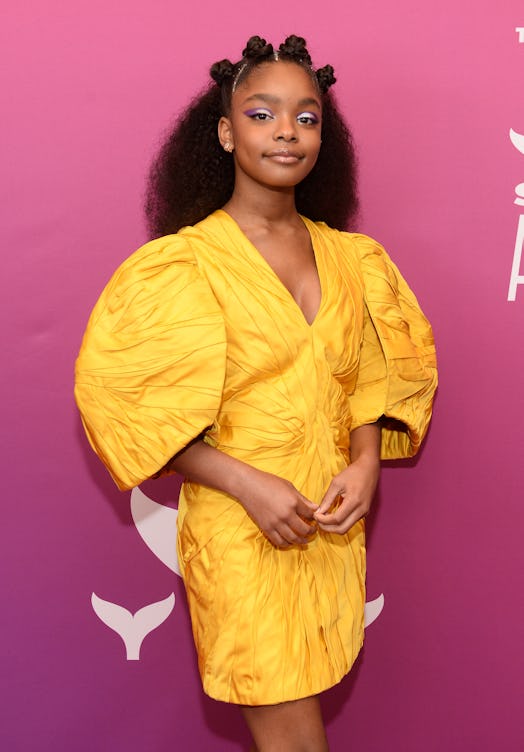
(155, 257)
(356, 242)
(162, 273)
(354, 247)
(157, 264)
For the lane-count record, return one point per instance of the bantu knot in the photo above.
(295, 48)
(222, 71)
(256, 47)
(325, 77)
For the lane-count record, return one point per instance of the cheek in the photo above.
(314, 139)
(315, 149)
(247, 142)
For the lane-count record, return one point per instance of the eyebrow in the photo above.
(270, 99)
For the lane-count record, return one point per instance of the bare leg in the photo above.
(288, 727)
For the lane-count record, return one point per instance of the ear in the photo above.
(225, 131)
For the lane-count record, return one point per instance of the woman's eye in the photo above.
(307, 118)
(259, 114)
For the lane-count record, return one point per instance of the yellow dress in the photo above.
(194, 332)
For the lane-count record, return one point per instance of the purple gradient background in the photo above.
(431, 90)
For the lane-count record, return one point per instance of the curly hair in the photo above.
(192, 175)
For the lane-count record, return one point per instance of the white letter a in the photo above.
(517, 278)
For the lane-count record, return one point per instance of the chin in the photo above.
(287, 177)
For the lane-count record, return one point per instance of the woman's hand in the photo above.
(274, 504)
(355, 486)
(278, 509)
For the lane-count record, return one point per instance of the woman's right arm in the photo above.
(274, 504)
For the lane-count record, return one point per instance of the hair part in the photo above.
(192, 176)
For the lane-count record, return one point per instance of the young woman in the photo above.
(271, 360)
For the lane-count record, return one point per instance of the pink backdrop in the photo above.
(431, 90)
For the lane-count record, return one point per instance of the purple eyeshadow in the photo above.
(255, 111)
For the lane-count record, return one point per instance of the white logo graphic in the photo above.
(516, 278)
(517, 139)
(156, 524)
(520, 32)
(132, 628)
(373, 609)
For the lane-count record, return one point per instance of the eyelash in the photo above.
(309, 117)
(305, 118)
(260, 115)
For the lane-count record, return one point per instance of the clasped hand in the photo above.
(283, 514)
(354, 488)
(288, 518)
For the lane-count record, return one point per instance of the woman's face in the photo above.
(274, 126)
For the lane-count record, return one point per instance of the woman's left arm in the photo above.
(355, 485)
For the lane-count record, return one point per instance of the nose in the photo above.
(285, 130)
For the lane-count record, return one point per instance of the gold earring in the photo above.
(228, 147)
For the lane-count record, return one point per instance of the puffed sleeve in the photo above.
(150, 372)
(397, 375)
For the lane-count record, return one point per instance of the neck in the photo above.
(262, 207)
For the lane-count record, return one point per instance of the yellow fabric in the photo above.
(195, 331)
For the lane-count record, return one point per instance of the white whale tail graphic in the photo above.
(517, 139)
(373, 609)
(132, 628)
(156, 524)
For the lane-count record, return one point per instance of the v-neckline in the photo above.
(273, 273)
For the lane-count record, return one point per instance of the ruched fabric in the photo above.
(195, 333)
(139, 389)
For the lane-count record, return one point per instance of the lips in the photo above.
(284, 156)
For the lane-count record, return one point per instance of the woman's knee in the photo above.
(295, 726)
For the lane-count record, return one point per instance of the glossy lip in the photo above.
(285, 156)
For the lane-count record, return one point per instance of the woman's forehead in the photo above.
(278, 79)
